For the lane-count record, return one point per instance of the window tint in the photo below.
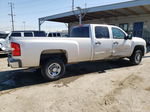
(39, 34)
(28, 34)
(101, 32)
(54, 34)
(58, 34)
(117, 33)
(16, 34)
(50, 35)
(80, 32)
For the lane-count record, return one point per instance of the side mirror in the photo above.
(129, 36)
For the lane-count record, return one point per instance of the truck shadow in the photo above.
(3, 55)
(20, 78)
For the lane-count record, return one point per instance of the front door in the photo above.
(102, 43)
(121, 47)
(138, 29)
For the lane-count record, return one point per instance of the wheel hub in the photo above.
(138, 57)
(54, 69)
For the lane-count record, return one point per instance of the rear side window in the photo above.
(101, 32)
(39, 34)
(54, 34)
(28, 34)
(16, 34)
(80, 32)
(50, 35)
(58, 34)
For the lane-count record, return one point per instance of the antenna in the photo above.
(11, 14)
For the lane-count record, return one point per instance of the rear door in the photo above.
(102, 43)
(121, 47)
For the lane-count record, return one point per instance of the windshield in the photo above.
(80, 32)
(3, 36)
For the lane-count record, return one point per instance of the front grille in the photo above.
(1, 49)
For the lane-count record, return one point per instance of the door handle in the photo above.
(97, 43)
(115, 43)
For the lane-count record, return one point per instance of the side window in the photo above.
(54, 34)
(16, 35)
(58, 35)
(39, 34)
(28, 34)
(118, 34)
(101, 32)
(50, 35)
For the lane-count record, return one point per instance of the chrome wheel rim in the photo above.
(137, 57)
(54, 69)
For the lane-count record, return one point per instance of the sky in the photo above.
(29, 11)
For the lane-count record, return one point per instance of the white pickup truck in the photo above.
(87, 42)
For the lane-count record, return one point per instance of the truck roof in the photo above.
(94, 25)
(27, 31)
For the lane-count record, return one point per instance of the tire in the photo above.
(136, 57)
(53, 69)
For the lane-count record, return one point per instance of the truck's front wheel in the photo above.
(136, 57)
(53, 69)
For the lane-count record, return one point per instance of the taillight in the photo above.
(16, 51)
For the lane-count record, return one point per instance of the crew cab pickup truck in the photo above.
(87, 42)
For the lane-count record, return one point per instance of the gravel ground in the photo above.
(108, 86)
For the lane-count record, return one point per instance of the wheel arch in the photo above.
(140, 47)
(54, 53)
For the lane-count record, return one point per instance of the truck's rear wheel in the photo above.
(53, 69)
(136, 57)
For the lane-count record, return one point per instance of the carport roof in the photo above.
(136, 7)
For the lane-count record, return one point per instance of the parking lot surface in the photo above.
(105, 86)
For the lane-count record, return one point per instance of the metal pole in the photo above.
(72, 5)
(12, 15)
(80, 15)
(80, 19)
(39, 25)
(24, 25)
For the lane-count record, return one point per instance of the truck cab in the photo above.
(108, 41)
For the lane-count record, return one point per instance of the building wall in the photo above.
(124, 19)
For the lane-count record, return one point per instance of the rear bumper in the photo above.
(2, 52)
(14, 63)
